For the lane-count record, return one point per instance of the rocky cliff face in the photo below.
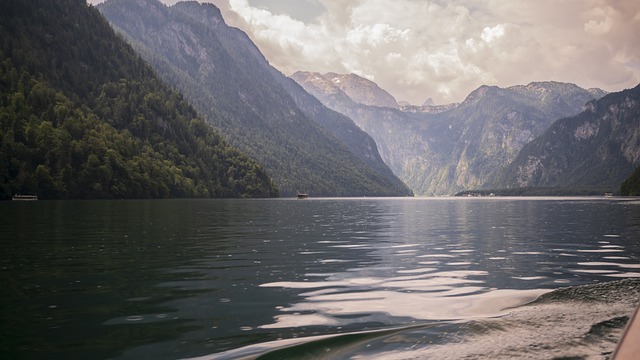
(598, 147)
(462, 146)
(222, 73)
(496, 123)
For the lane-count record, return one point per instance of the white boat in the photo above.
(17, 197)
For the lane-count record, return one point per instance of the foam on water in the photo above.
(575, 322)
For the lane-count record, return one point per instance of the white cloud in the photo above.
(491, 34)
(418, 49)
(602, 21)
(376, 35)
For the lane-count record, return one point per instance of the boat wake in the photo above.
(575, 322)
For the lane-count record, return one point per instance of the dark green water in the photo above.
(168, 279)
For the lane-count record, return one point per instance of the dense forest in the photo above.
(82, 116)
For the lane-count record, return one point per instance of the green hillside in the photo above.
(82, 116)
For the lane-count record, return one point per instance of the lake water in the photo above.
(226, 279)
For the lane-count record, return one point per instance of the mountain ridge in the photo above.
(362, 90)
(598, 147)
(463, 145)
(229, 81)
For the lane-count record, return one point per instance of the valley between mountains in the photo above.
(325, 134)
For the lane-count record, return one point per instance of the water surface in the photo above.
(167, 279)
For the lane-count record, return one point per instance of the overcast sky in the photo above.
(444, 49)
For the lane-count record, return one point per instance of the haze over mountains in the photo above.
(447, 149)
(84, 117)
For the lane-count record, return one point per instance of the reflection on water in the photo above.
(173, 279)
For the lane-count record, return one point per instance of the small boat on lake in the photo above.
(302, 195)
(17, 197)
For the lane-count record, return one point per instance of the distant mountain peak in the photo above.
(429, 102)
(319, 81)
(356, 87)
(546, 91)
(209, 13)
(443, 149)
(479, 93)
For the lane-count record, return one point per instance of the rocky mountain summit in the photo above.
(366, 92)
(361, 90)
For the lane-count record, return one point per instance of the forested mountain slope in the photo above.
(82, 116)
(228, 80)
(462, 147)
(599, 147)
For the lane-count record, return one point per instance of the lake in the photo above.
(227, 279)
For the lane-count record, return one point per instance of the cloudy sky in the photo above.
(444, 49)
